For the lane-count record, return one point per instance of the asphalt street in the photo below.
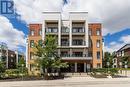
(71, 82)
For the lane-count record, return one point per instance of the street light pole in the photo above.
(120, 63)
(22, 71)
(126, 68)
(108, 66)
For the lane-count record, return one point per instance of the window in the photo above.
(90, 54)
(90, 32)
(78, 30)
(98, 65)
(77, 42)
(77, 54)
(32, 32)
(40, 42)
(114, 61)
(98, 43)
(64, 54)
(40, 32)
(31, 56)
(31, 67)
(122, 53)
(98, 32)
(32, 43)
(64, 42)
(90, 43)
(54, 30)
(98, 54)
(11, 60)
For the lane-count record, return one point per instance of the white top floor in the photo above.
(74, 16)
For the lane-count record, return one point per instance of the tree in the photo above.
(125, 60)
(108, 57)
(22, 65)
(2, 67)
(48, 57)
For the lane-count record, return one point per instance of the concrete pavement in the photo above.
(71, 82)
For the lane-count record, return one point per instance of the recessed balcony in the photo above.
(78, 42)
(52, 30)
(65, 30)
(67, 56)
(78, 31)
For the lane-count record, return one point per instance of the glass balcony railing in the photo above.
(78, 43)
(51, 30)
(65, 43)
(65, 30)
(75, 55)
(78, 30)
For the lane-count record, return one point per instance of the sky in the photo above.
(113, 14)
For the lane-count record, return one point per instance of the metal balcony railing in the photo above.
(65, 43)
(51, 30)
(74, 55)
(65, 31)
(78, 30)
(78, 43)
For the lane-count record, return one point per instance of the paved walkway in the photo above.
(71, 82)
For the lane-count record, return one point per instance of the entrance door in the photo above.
(80, 67)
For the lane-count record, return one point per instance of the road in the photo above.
(71, 82)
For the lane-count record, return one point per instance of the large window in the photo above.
(32, 32)
(98, 54)
(40, 42)
(90, 43)
(52, 30)
(64, 42)
(90, 32)
(98, 43)
(77, 42)
(65, 30)
(64, 54)
(40, 32)
(77, 54)
(98, 32)
(32, 43)
(78, 30)
(31, 56)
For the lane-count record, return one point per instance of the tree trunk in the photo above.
(46, 74)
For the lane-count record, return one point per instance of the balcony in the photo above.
(52, 30)
(75, 56)
(65, 30)
(65, 43)
(78, 43)
(78, 30)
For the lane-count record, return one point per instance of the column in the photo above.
(70, 52)
(7, 60)
(85, 67)
(86, 33)
(43, 30)
(27, 53)
(58, 52)
(75, 66)
(88, 67)
(70, 34)
(59, 32)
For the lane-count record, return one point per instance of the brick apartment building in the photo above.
(123, 51)
(9, 57)
(79, 42)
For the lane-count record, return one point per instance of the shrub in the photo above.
(14, 73)
(104, 72)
